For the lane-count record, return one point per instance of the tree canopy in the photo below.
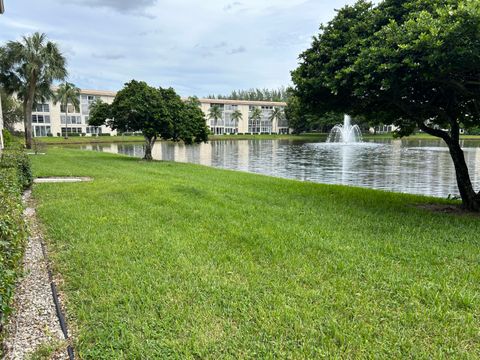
(156, 112)
(280, 94)
(414, 63)
(11, 110)
(67, 93)
(28, 68)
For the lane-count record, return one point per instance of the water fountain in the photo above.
(346, 133)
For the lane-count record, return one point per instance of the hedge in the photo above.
(15, 176)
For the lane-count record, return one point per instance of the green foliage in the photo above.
(302, 121)
(280, 94)
(414, 64)
(256, 114)
(11, 110)
(191, 126)
(67, 93)
(215, 113)
(157, 113)
(237, 116)
(100, 112)
(15, 175)
(8, 138)
(28, 68)
(397, 62)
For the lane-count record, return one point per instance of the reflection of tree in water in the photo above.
(419, 166)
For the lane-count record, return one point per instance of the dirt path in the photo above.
(34, 325)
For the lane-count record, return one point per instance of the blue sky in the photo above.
(197, 47)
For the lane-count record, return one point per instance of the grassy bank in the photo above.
(87, 139)
(418, 137)
(114, 139)
(165, 260)
(309, 136)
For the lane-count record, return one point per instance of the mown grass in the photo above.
(422, 136)
(114, 139)
(167, 260)
(59, 140)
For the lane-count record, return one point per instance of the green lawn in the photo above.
(166, 260)
(51, 140)
(110, 139)
(418, 137)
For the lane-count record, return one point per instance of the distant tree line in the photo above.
(281, 94)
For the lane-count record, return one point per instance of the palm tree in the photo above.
(28, 68)
(277, 114)
(215, 113)
(237, 116)
(66, 94)
(256, 115)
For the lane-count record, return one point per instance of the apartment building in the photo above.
(49, 119)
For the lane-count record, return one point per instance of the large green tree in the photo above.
(413, 63)
(157, 113)
(67, 94)
(28, 68)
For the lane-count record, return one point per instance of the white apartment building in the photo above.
(49, 119)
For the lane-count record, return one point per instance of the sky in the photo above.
(197, 47)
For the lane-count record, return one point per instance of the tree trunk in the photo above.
(28, 105)
(27, 123)
(149, 142)
(470, 200)
(66, 122)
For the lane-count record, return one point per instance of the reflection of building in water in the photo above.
(48, 119)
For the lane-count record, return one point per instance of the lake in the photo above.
(409, 166)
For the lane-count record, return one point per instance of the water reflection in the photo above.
(410, 166)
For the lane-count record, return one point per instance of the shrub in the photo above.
(15, 175)
(108, 134)
(8, 138)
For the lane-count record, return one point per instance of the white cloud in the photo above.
(197, 47)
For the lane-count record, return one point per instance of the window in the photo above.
(41, 119)
(86, 101)
(94, 130)
(71, 119)
(42, 108)
(76, 130)
(221, 106)
(70, 108)
(41, 130)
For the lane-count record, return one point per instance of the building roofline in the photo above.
(243, 102)
(202, 100)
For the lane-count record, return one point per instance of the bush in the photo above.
(15, 175)
(8, 138)
(104, 134)
(473, 131)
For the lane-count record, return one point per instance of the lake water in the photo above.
(408, 166)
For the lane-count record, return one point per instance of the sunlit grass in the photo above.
(167, 260)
